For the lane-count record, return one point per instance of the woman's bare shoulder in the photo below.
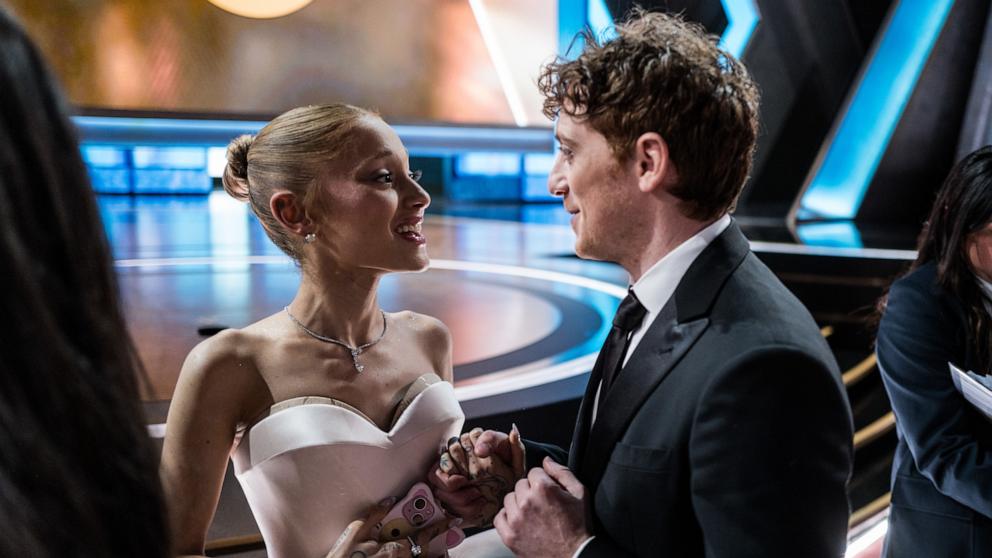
(432, 336)
(225, 366)
(428, 328)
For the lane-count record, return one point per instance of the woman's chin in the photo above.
(420, 262)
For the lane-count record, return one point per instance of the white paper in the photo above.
(976, 389)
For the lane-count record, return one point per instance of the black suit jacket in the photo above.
(942, 473)
(728, 432)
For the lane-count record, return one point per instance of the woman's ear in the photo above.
(654, 167)
(287, 208)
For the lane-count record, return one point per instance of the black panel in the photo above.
(804, 56)
(922, 148)
(977, 129)
(707, 12)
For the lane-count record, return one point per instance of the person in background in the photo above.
(939, 314)
(78, 473)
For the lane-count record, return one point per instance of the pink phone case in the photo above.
(416, 510)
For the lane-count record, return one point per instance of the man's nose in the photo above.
(557, 185)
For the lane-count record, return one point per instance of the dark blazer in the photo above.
(942, 473)
(728, 432)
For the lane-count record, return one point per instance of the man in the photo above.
(715, 422)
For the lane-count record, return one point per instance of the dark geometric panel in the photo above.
(977, 128)
(804, 56)
(923, 145)
(707, 12)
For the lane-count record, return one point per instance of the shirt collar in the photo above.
(657, 285)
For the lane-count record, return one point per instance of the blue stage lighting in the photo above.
(833, 234)
(487, 164)
(860, 139)
(742, 19)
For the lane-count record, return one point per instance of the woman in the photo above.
(331, 404)
(935, 315)
(77, 468)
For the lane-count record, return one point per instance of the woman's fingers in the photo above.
(346, 540)
(459, 460)
(365, 549)
(360, 530)
(447, 464)
(393, 549)
(518, 453)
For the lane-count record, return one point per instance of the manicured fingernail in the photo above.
(388, 501)
(452, 440)
(513, 427)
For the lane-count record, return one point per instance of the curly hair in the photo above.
(663, 74)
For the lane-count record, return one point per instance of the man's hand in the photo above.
(545, 516)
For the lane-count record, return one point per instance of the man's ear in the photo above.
(287, 208)
(653, 166)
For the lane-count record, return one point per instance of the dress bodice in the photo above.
(314, 464)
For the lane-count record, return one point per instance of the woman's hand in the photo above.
(491, 463)
(356, 541)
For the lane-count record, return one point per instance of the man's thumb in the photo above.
(563, 476)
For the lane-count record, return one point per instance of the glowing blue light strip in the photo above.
(871, 116)
(835, 234)
(742, 19)
(420, 140)
(600, 20)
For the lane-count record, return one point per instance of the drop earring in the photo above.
(309, 238)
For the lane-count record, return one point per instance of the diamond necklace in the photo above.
(355, 351)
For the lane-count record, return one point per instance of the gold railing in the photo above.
(871, 509)
(859, 371)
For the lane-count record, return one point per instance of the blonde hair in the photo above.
(292, 152)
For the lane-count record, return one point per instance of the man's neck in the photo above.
(669, 232)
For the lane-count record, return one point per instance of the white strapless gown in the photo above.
(315, 464)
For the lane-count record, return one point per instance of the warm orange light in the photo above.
(261, 9)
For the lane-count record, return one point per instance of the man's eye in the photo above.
(385, 178)
(416, 175)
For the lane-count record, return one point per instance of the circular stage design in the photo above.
(522, 337)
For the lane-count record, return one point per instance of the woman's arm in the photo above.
(918, 335)
(206, 408)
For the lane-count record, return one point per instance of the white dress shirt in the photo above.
(656, 286)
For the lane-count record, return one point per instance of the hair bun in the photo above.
(235, 177)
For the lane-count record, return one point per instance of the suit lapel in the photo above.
(664, 344)
(669, 337)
